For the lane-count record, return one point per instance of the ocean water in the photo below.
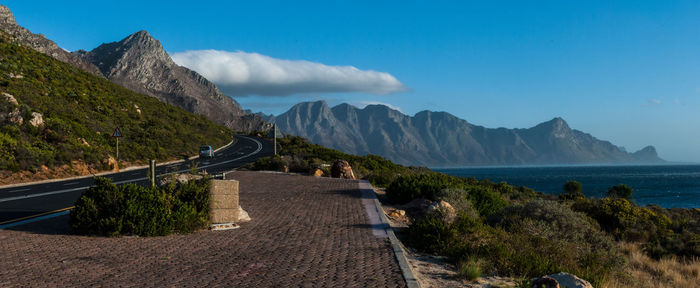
(665, 185)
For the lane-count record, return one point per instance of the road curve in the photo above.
(20, 202)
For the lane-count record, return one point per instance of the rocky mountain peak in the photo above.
(6, 16)
(556, 127)
(142, 41)
(140, 63)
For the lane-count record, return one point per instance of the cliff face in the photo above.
(140, 63)
(441, 139)
(39, 43)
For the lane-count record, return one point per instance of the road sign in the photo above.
(117, 133)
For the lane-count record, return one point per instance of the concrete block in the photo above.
(223, 187)
(223, 201)
(218, 216)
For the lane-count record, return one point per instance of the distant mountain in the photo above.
(39, 43)
(140, 63)
(441, 139)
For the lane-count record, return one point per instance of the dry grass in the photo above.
(642, 271)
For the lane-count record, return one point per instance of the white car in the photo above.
(206, 151)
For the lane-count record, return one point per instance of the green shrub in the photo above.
(572, 191)
(469, 269)
(431, 234)
(408, 187)
(145, 211)
(486, 201)
(621, 191)
(110, 210)
(458, 198)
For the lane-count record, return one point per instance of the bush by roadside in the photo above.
(110, 210)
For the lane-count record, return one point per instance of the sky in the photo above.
(624, 71)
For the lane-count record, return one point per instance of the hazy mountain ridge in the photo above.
(441, 139)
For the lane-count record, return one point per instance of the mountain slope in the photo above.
(441, 139)
(56, 116)
(39, 43)
(140, 63)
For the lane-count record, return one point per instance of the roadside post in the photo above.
(117, 134)
(274, 137)
(152, 172)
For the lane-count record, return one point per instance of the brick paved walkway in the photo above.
(306, 232)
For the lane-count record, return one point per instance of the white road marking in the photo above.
(68, 184)
(20, 190)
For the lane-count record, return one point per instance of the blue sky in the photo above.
(627, 72)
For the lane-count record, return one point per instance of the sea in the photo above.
(668, 186)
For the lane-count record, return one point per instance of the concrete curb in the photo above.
(107, 172)
(411, 281)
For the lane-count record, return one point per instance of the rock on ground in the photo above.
(561, 279)
(243, 215)
(342, 169)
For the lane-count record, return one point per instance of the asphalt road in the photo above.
(35, 199)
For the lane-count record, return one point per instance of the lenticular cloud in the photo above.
(240, 73)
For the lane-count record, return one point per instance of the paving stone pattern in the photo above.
(305, 232)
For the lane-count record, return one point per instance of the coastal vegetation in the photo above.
(500, 229)
(54, 115)
(109, 210)
(299, 155)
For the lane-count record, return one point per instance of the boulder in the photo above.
(316, 172)
(570, 280)
(544, 282)
(342, 169)
(184, 178)
(113, 162)
(417, 208)
(16, 117)
(179, 178)
(243, 215)
(448, 211)
(397, 213)
(10, 98)
(37, 119)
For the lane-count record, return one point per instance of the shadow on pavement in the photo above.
(53, 226)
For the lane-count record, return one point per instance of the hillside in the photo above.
(54, 116)
(441, 139)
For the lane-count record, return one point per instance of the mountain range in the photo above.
(439, 139)
(139, 63)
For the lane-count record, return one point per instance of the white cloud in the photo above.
(240, 74)
(654, 101)
(363, 104)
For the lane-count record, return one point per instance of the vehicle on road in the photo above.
(205, 151)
